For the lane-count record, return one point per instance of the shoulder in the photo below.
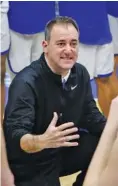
(28, 76)
(82, 71)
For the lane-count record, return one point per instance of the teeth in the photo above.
(66, 58)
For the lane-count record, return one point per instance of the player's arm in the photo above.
(102, 161)
(7, 178)
(109, 176)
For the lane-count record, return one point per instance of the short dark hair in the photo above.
(59, 20)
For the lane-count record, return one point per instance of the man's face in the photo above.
(62, 48)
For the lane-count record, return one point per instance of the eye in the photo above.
(74, 44)
(61, 44)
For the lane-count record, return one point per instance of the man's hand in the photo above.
(60, 136)
(53, 137)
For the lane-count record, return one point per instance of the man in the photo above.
(50, 108)
(103, 170)
(27, 21)
(96, 47)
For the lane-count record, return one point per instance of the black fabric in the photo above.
(72, 160)
(78, 158)
(80, 179)
(35, 93)
(52, 179)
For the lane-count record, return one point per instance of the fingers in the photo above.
(62, 135)
(69, 131)
(65, 126)
(72, 137)
(54, 119)
(70, 144)
(69, 138)
(64, 144)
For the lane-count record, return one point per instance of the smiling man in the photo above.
(51, 107)
(61, 50)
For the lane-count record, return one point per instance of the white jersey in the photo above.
(4, 6)
(4, 27)
(113, 22)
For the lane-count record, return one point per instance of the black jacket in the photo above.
(35, 93)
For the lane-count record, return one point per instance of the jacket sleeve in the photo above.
(19, 114)
(93, 120)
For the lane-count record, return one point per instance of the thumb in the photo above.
(54, 119)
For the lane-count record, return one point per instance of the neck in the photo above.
(54, 69)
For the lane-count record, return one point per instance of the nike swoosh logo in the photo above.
(72, 88)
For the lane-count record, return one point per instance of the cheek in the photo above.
(57, 52)
(54, 50)
(75, 52)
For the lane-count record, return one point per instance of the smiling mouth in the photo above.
(67, 58)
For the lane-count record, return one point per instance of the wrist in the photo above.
(31, 143)
(42, 142)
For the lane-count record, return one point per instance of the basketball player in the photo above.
(27, 21)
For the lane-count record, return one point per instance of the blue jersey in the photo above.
(92, 19)
(30, 17)
(112, 8)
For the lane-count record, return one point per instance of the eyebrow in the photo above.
(62, 40)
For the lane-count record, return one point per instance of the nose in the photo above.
(68, 48)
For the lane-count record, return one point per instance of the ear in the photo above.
(45, 46)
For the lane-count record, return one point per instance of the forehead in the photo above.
(64, 31)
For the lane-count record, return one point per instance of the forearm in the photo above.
(32, 143)
(102, 155)
(109, 176)
(4, 161)
(99, 162)
(7, 178)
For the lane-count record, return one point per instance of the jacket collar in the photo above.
(72, 80)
